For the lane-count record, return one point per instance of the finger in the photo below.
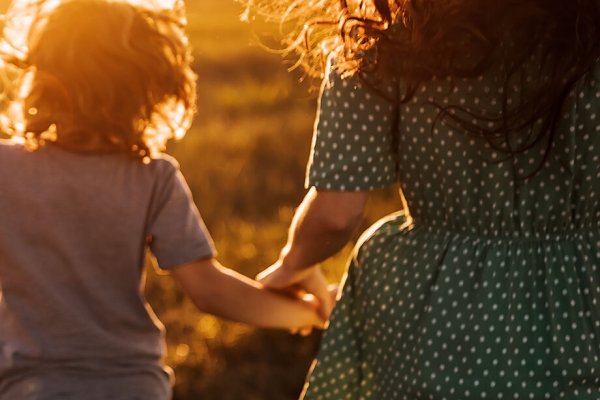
(276, 276)
(265, 274)
(333, 293)
(306, 331)
(316, 284)
(294, 292)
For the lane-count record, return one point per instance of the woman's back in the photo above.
(455, 180)
(490, 288)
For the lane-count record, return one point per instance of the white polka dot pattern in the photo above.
(354, 136)
(490, 289)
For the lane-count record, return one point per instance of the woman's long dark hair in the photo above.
(419, 40)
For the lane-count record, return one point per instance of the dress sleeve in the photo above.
(176, 230)
(353, 145)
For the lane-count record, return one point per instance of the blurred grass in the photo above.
(244, 160)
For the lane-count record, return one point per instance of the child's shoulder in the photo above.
(163, 167)
(165, 159)
(9, 146)
(164, 162)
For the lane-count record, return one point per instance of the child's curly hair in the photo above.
(100, 76)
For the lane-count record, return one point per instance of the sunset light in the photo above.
(299, 199)
(250, 112)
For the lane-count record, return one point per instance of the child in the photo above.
(85, 191)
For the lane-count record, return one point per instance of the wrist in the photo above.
(292, 262)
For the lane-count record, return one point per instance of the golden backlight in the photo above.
(21, 13)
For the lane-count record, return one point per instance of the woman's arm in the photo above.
(354, 151)
(322, 225)
(225, 293)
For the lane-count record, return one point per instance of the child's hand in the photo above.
(303, 323)
(312, 303)
(333, 292)
(309, 281)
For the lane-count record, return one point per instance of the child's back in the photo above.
(72, 260)
(98, 77)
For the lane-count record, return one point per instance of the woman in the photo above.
(487, 284)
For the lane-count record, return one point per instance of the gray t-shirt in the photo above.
(74, 230)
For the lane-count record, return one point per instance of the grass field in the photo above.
(244, 159)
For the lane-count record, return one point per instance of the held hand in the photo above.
(307, 281)
(307, 330)
(309, 301)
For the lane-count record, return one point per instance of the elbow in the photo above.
(200, 282)
(202, 302)
(343, 222)
(340, 212)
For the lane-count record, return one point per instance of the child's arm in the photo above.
(225, 293)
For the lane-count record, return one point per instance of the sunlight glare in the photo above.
(19, 18)
(22, 13)
(208, 326)
(245, 16)
(182, 351)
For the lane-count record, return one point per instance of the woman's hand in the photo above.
(307, 281)
(228, 294)
(322, 225)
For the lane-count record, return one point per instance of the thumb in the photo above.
(271, 277)
(277, 277)
(316, 284)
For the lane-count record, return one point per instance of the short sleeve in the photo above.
(353, 146)
(176, 230)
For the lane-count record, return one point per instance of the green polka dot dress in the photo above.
(487, 286)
